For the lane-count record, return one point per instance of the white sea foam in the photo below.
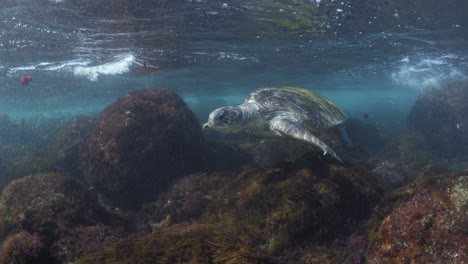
(424, 72)
(22, 68)
(67, 65)
(119, 66)
(49, 66)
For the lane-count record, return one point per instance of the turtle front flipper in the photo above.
(287, 126)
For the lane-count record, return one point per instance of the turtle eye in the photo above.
(220, 117)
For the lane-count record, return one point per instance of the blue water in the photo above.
(368, 58)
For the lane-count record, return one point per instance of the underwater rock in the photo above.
(424, 222)
(43, 202)
(225, 156)
(390, 172)
(366, 138)
(24, 248)
(141, 143)
(440, 116)
(266, 152)
(64, 148)
(242, 150)
(247, 150)
(366, 141)
(50, 206)
(188, 198)
(404, 159)
(279, 201)
(262, 215)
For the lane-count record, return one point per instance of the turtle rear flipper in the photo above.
(286, 126)
(344, 135)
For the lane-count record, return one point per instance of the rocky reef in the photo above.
(188, 197)
(404, 159)
(424, 222)
(139, 144)
(440, 116)
(63, 149)
(261, 215)
(50, 217)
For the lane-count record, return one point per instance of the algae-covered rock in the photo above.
(404, 159)
(263, 215)
(185, 243)
(425, 222)
(440, 116)
(23, 248)
(141, 143)
(295, 202)
(58, 210)
(64, 148)
(44, 202)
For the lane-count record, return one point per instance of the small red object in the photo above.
(25, 79)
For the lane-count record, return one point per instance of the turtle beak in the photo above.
(205, 126)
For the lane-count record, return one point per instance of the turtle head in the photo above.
(226, 119)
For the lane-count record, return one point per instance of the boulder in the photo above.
(24, 248)
(440, 116)
(45, 202)
(50, 218)
(424, 222)
(64, 148)
(139, 144)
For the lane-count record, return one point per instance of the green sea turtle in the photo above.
(285, 111)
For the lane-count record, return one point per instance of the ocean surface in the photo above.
(367, 56)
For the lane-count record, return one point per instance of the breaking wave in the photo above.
(426, 72)
(121, 65)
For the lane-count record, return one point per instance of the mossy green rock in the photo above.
(262, 215)
(43, 202)
(139, 145)
(61, 214)
(23, 248)
(425, 222)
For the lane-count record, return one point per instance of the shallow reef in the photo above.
(50, 217)
(424, 222)
(142, 184)
(280, 213)
(23, 247)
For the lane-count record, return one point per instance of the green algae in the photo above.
(194, 243)
(294, 16)
(258, 216)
